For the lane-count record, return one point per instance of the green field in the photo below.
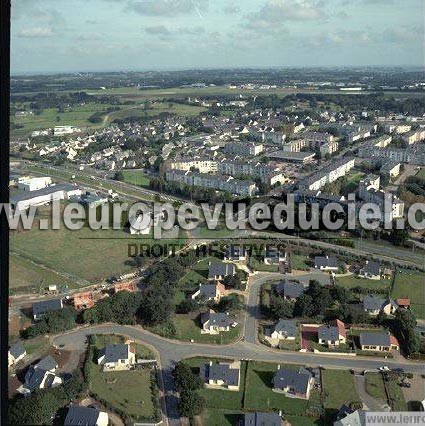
(259, 265)
(299, 262)
(352, 282)
(421, 173)
(197, 274)
(136, 177)
(339, 388)
(85, 255)
(28, 277)
(128, 391)
(411, 285)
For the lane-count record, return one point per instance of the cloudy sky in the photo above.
(96, 35)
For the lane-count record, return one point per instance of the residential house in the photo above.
(214, 322)
(403, 303)
(41, 376)
(236, 253)
(326, 263)
(351, 418)
(274, 255)
(219, 270)
(209, 292)
(262, 419)
(125, 286)
(16, 353)
(116, 357)
(85, 416)
(378, 341)
(285, 330)
(332, 334)
(373, 305)
(371, 270)
(222, 374)
(83, 300)
(39, 309)
(293, 383)
(291, 290)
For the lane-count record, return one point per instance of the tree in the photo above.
(186, 306)
(232, 302)
(191, 404)
(119, 175)
(232, 281)
(304, 306)
(281, 308)
(185, 378)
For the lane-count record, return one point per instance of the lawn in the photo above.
(339, 388)
(28, 277)
(259, 265)
(136, 177)
(198, 274)
(375, 388)
(412, 285)
(352, 281)
(259, 395)
(84, 256)
(128, 391)
(220, 417)
(189, 329)
(299, 262)
(421, 173)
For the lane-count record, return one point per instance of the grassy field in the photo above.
(411, 285)
(299, 262)
(190, 329)
(375, 387)
(339, 388)
(220, 417)
(129, 391)
(259, 265)
(198, 274)
(136, 177)
(27, 277)
(84, 255)
(352, 281)
(421, 173)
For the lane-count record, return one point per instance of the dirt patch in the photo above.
(12, 386)
(417, 390)
(61, 357)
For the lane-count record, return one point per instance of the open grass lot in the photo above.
(298, 261)
(136, 177)
(27, 277)
(375, 387)
(339, 388)
(259, 265)
(129, 391)
(352, 281)
(84, 255)
(190, 329)
(412, 285)
(421, 173)
(219, 417)
(197, 274)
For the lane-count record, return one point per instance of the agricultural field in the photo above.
(411, 285)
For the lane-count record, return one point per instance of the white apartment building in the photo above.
(414, 136)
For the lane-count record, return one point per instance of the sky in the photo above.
(139, 35)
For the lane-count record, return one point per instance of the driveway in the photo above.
(369, 403)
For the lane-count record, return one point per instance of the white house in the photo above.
(16, 353)
(116, 357)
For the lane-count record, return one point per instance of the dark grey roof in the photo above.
(34, 377)
(262, 419)
(17, 350)
(325, 261)
(273, 252)
(220, 371)
(207, 290)
(295, 380)
(221, 268)
(372, 302)
(287, 326)
(44, 306)
(328, 332)
(372, 268)
(29, 195)
(220, 319)
(115, 352)
(375, 339)
(290, 289)
(47, 363)
(81, 416)
(234, 252)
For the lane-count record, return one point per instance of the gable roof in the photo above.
(17, 350)
(220, 319)
(221, 268)
(262, 419)
(296, 380)
(332, 331)
(288, 327)
(115, 352)
(207, 290)
(373, 268)
(47, 363)
(375, 339)
(373, 303)
(81, 416)
(221, 371)
(325, 262)
(290, 289)
(39, 308)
